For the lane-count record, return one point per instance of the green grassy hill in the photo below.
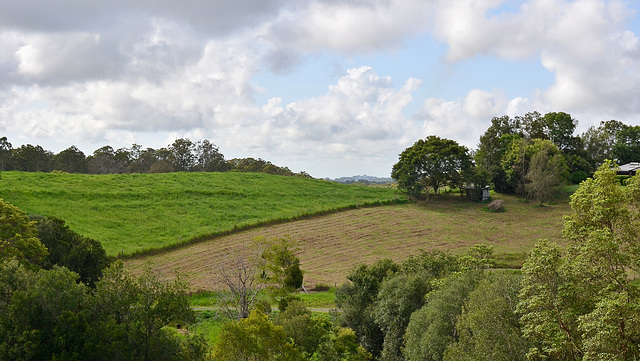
(131, 213)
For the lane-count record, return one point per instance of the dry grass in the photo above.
(330, 246)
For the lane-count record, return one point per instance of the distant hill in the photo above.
(367, 179)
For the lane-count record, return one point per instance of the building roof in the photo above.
(629, 167)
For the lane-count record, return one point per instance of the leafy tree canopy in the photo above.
(431, 163)
(80, 254)
(582, 305)
(19, 236)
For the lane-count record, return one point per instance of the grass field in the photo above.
(330, 246)
(313, 299)
(132, 213)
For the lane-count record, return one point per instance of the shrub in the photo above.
(321, 287)
(622, 179)
(577, 177)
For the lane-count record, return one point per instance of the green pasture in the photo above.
(323, 299)
(136, 213)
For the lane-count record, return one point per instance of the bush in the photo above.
(321, 287)
(577, 177)
(622, 179)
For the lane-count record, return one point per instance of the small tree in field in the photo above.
(264, 265)
(242, 275)
(282, 271)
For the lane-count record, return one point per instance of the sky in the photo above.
(331, 87)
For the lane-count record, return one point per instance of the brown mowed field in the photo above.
(332, 245)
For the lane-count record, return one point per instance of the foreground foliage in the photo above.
(19, 236)
(573, 305)
(49, 315)
(294, 334)
(582, 305)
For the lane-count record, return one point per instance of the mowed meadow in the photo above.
(329, 246)
(137, 213)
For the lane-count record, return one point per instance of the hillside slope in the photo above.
(130, 213)
(331, 245)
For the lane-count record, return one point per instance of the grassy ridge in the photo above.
(132, 213)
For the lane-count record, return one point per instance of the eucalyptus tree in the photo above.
(70, 160)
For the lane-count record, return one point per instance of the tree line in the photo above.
(183, 155)
(526, 155)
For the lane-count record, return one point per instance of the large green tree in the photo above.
(80, 254)
(209, 158)
(560, 127)
(431, 163)
(106, 160)
(70, 160)
(30, 158)
(48, 315)
(626, 148)
(546, 172)
(493, 144)
(582, 305)
(488, 328)
(182, 156)
(5, 153)
(398, 298)
(516, 163)
(433, 327)
(357, 302)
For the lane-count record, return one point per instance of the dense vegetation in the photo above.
(131, 213)
(530, 155)
(59, 300)
(182, 155)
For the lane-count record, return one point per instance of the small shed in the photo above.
(475, 193)
(629, 168)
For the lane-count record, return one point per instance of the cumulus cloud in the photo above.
(360, 117)
(212, 17)
(351, 26)
(111, 72)
(464, 119)
(583, 43)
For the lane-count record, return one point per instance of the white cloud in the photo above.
(583, 43)
(464, 119)
(110, 72)
(72, 57)
(352, 27)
